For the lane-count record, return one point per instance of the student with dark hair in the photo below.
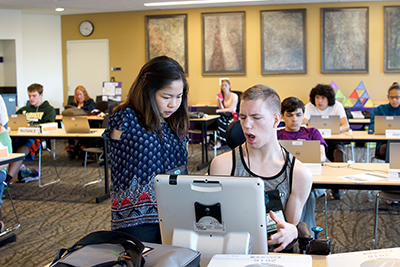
(293, 113)
(390, 109)
(322, 102)
(37, 112)
(147, 136)
(287, 181)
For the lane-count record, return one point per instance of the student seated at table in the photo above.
(38, 111)
(287, 181)
(5, 140)
(82, 100)
(323, 102)
(226, 108)
(292, 110)
(391, 109)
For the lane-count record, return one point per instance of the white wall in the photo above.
(10, 29)
(42, 59)
(1, 65)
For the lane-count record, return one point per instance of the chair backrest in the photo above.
(234, 135)
(239, 93)
(112, 104)
(102, 106)
(105, 122)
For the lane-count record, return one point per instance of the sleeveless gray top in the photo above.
(281, 181)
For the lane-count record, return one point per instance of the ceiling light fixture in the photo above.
(59, 9)
(197, 2)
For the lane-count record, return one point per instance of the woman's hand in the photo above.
(286, 233)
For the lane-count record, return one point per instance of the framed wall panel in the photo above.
(392, 38)
(283, 41)
(224, 43)
(167, 35)
(344, 40)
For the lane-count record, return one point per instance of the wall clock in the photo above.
(86, 28)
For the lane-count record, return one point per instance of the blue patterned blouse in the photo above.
(136, 159)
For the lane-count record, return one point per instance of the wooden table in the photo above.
(12, 157)
(363, 136)
(359, 121)
(331, 172)
(61, 134)
(90, 117)
(204, 147)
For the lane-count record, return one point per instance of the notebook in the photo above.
(368, 258)
(326, 122)
(76, 125)
(383, 123)
(307, 151)
(17, 120)
(236, 260)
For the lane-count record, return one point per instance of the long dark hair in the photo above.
(156, 74)
(222, 91)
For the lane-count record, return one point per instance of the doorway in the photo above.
(88, 64)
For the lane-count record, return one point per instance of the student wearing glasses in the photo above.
(391, 109)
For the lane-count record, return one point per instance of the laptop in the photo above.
(76, 124)
(383, 123)
(209, 110)
(307, 151)
(17, 120)
(326, 122)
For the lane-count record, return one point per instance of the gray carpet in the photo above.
(59, 215)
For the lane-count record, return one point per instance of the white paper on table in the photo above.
(364, 177)
(357, 114)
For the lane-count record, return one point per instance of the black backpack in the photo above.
(102, 249)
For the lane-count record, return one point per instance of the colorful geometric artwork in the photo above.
(359, 97)
(338, 94)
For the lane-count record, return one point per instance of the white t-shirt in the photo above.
(3, 112)
(336, 109)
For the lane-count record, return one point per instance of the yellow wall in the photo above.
(126, 34)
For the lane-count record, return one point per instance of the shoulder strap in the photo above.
(233, 162)
(291, 173)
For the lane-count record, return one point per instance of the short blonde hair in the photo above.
(267, 94)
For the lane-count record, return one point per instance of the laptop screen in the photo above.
(17, 120)
(326, 122)
(383, 123)
(76, 124)
(307, 151)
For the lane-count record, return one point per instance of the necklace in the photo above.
(248, 157)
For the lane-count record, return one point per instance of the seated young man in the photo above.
(323, 102)
(293, 114)
(286, 180)
(37, 112)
